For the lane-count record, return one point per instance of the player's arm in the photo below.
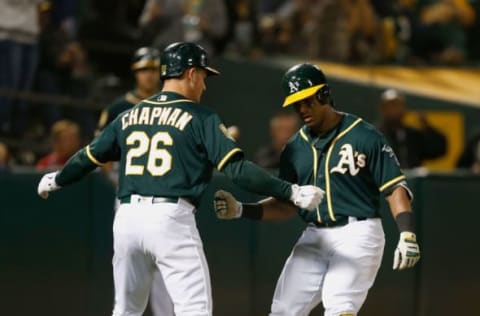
(223, 152)
(227, 207)
(254, 179)
(390, 180)
(268, 209)
(407, 252)
(102, 149)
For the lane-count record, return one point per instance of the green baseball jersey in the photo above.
(123, 103)
(353, 164)
(167, 146)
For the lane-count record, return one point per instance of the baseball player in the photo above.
(146, 69)
(336, 259)
(167, 146)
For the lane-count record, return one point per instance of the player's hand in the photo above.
(307, 196)
(226, 206)
(47, 184)
(407, 253)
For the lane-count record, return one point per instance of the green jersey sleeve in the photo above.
(219, 146)
(383, 164)
(287, 170)
(102, 149)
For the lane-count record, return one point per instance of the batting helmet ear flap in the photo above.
(324, 95)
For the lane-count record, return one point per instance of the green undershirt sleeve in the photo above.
(254, 179)
(76, 168)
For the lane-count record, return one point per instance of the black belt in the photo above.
(157, 199)
(340, 221)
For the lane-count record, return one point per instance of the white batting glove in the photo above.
(226, 206)
(47, 184)
(407, 253)
(307, 196)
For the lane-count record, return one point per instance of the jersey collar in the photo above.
(322, 140)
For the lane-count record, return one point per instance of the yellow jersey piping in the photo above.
(327, 174)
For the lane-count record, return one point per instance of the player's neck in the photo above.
(175, 85)
(331, 120)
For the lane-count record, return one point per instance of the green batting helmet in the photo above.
(302, 81)
(178, 57)
(146, 57)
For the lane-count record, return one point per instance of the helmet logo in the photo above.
(294, 86)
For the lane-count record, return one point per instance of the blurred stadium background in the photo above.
(69, 59)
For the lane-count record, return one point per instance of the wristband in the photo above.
(405, 221)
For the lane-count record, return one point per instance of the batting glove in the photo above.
(226, 206)
(407, 253)
(47, 184)
(307, 196)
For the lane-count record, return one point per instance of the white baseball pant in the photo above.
(163, 236)
(336, 266)
(160, 302)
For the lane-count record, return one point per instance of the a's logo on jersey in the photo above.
(293, 86)
(350, 161)
(387, 149)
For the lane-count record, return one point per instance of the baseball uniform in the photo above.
(338, 256)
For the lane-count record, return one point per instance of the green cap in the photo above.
(178, 57)
(301, 82)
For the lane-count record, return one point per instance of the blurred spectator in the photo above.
(4, 158)
(411, 145)
(472, 34)
(243, 31)
(145, 66)
(283, 125)
(394, 28)
(269, 6)
(470, 157)
(440, 32)
(343, 30)
(63, 69)
(19, 31)
(66, 141)
(200, 21)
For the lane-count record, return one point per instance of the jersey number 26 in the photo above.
(159, 160)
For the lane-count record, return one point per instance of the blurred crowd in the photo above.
(56, 54)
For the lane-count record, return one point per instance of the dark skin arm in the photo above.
(399, 201)
(274, 209)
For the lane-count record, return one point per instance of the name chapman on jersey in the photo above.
(157, 115)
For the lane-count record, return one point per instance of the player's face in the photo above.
(311, 111)
(148, 79)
